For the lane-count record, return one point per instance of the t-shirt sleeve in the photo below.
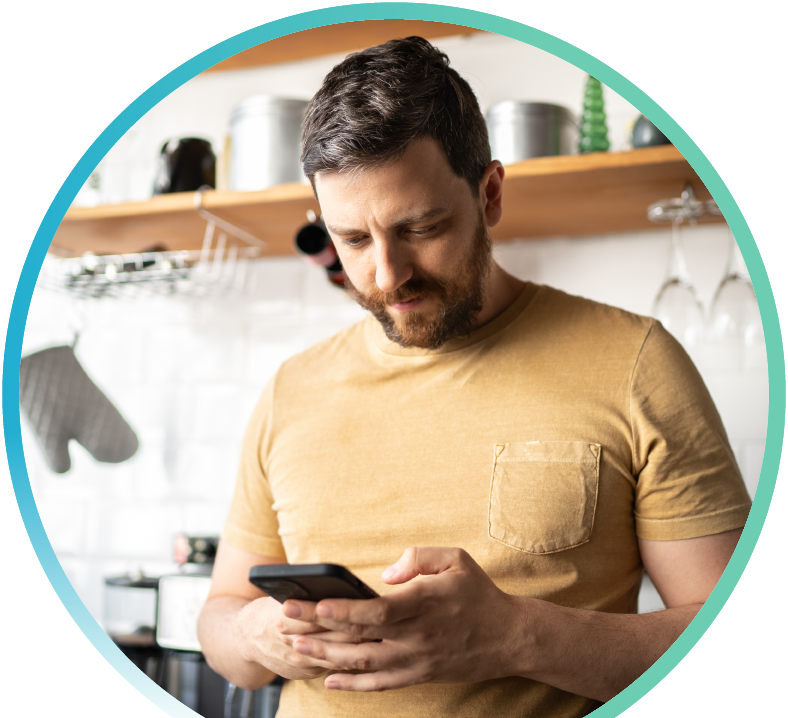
(252, 524)
(688, 483)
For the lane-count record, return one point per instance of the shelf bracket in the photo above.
(223, 224)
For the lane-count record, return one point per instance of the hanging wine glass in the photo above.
(735, 321)
(677, 305)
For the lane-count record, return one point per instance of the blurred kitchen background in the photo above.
(185, 368)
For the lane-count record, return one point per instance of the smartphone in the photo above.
(308, 582)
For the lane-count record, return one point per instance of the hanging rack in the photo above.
(214, 268)
(223, 224)
(686, 208)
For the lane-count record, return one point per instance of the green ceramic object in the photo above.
(593, 124)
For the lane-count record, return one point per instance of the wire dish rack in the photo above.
(220, 267)
(192, 273)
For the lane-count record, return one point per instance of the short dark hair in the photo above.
(376, 102)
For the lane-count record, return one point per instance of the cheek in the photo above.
(359, 267)
(445, 258)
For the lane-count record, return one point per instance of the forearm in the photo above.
(222, 643)
(591, 653)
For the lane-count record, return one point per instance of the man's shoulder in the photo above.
(564, 311)
(339, 353)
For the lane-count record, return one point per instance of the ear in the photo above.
(491, 193)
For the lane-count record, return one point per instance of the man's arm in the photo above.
(599, 654)
(454, 625)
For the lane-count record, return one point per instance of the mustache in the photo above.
(414, 287)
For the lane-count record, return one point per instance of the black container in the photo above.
(185, 165)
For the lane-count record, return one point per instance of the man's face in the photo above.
(414, 244)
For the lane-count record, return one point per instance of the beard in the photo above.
(460, 299)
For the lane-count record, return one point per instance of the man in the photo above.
(554, 447)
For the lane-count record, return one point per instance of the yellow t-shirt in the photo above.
(543, 444)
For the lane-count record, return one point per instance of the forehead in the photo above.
(418, 182)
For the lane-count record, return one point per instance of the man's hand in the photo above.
(451, 625)
(267, 637)
(244, 635)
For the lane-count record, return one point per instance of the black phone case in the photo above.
(309, 582)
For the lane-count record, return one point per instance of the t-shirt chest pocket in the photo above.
(543, 494)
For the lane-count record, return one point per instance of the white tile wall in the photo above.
(187, 373)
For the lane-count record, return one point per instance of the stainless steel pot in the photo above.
(265, 140)
(522, 130)
(130, 609)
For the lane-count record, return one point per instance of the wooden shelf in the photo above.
(598, 193)
(344, 37)
(568, 196)
(171, 221)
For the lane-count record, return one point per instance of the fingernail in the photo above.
(389, 572)
(293, 610)
(325, 610)
(303, 648)
(331, 684)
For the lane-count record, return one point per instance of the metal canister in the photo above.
(266, 142)
(522, 130)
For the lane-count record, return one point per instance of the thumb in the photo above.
(422, 562)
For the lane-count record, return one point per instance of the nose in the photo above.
(392, 265)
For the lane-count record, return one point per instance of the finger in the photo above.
(339, 637)
(361, 657)
(313, 666)
(302, 610)
(365, 682)
(304, 662)
(289, 626)
(422, 562)
(370, 618)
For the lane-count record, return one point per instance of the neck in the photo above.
(502, 290)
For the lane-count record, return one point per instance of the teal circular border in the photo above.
(383, 11)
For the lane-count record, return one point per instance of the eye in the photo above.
(422, 232)
(354, 241)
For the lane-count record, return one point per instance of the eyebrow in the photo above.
(404, 222)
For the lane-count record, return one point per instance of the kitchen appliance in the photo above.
(185, 165)
(265, 142)
(181, 597)
(185, 673)
(522, 130)
(130, 606)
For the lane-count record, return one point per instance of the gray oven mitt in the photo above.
(61, 403)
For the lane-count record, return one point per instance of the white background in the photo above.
(69, 69)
